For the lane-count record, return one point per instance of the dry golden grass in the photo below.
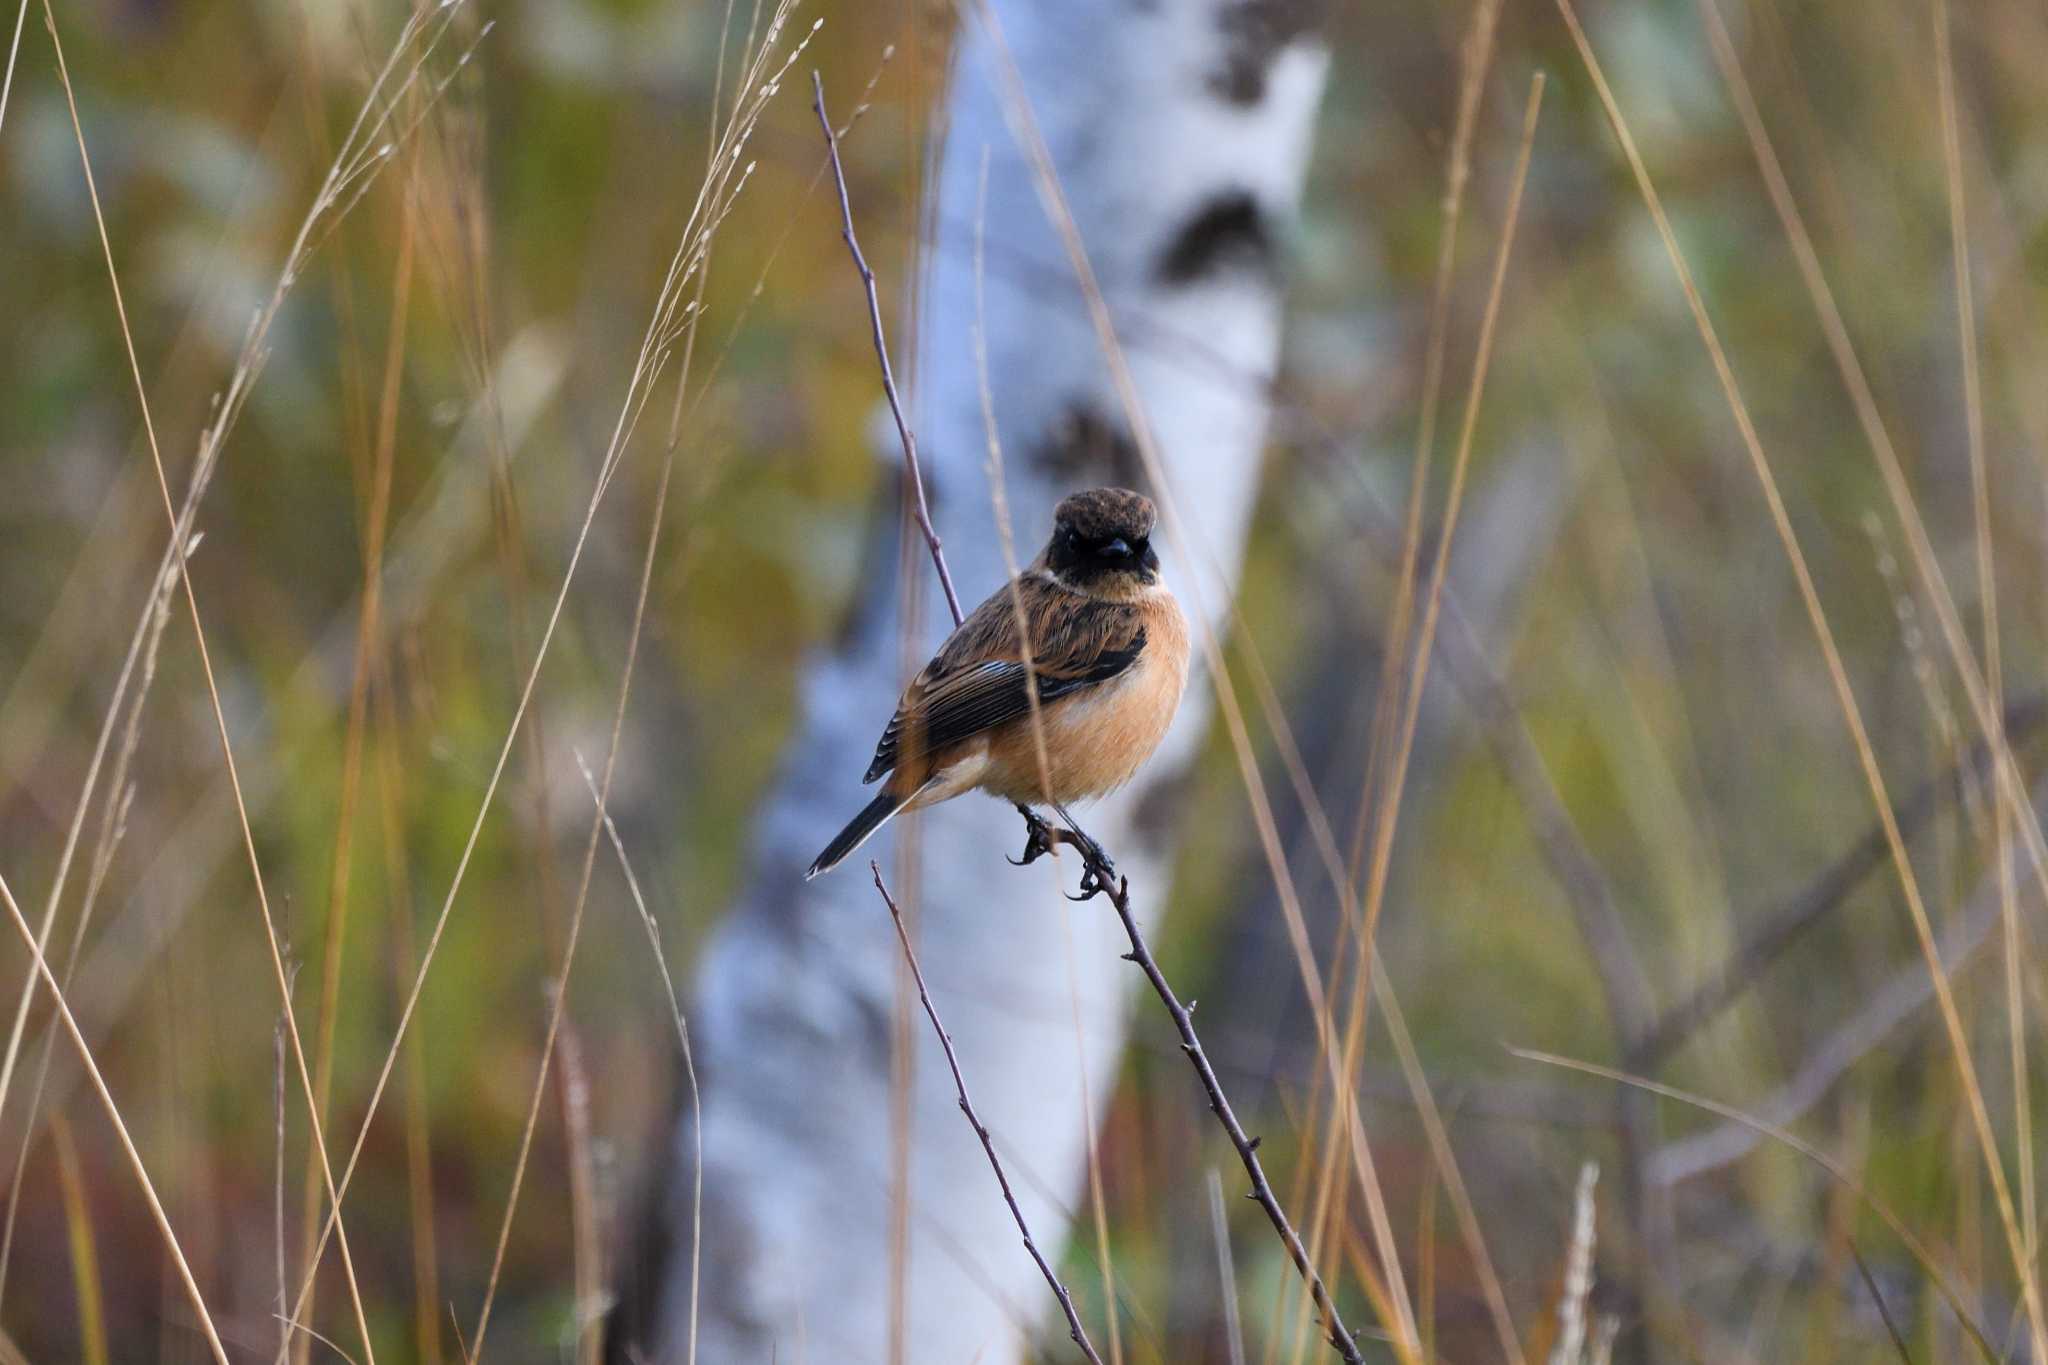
(1425, 911)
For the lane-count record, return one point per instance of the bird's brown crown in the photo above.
(1102, 536)
(1101, 514)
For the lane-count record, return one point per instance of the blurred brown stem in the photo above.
(1775, 932)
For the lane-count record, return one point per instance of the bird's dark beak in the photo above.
(1118, 548)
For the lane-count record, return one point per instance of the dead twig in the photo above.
(1074, 1327)
(867, 278)
(1099, 876)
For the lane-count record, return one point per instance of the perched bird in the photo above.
(1108, 648)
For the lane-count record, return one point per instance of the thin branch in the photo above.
(1099, 872)
(1392, 1299)
(1074, 1327)
(1099, 877)
(867, 279)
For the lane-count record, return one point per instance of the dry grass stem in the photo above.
(1578, 1274)
(1987, 589)
(1099, 874)
(1006, 539)
(1958, 1040)
(13, 54)
(113, 1110)
(673, 318)
(1929, 1263)
(1024, 125)
(178, 536)
(674, 321)
(85, 1267)
(1226, 1269)
(675, 1004)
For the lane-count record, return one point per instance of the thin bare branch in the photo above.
(1023, 120)
(1099, 874)
(867, 278)
(1074, 1327)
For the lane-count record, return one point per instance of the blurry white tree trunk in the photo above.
(1180, 130)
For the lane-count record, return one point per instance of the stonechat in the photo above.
(1107, 652)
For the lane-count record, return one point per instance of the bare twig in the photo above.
(867, 279)
(1099, 877)
(1074, 1327)
(1389, 1299)
(1099, 872)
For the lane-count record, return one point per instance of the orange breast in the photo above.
(1096, 740)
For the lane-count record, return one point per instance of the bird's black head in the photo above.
(1103, 538)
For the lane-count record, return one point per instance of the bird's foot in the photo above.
(1098, 872)
(1039, 837)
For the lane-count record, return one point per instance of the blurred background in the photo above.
(1632, 776)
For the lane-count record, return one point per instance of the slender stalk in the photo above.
(99, 1084)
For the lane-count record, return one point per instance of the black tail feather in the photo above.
(872, 817)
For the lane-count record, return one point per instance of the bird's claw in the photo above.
(1039, 838)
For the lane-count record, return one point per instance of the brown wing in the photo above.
(978, 680)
